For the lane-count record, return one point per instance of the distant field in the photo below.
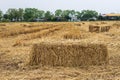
(16, 40)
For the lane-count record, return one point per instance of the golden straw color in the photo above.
(68, 54)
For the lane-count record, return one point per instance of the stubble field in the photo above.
(16, 40)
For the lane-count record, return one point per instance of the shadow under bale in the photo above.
(68, 54)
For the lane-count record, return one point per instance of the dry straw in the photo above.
(68, 54)
(24, 31)
(42, 33)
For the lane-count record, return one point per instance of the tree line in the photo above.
(33, 14)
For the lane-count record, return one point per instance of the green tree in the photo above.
(58, 13)
(48, 15)
(30, 14)
(39, 14)
(87, 14)
(78, 14)
(20, 14)
(65, 15)
(1, 14)
(13, 14)
(72, 12)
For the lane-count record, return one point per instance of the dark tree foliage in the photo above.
(88, 14)
(33, 14)
(1, 14)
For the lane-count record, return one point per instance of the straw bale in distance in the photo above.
(68, 54)
(103, 22)
(117, 25)
(2, 24)
(72, 36)
(75, 36)
(99, 28)
(77, 24)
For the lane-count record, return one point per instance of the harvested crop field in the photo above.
(17, 40)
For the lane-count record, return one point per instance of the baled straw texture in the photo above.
(68, 54)
(99, 28)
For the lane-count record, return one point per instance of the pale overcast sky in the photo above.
(102, 6)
